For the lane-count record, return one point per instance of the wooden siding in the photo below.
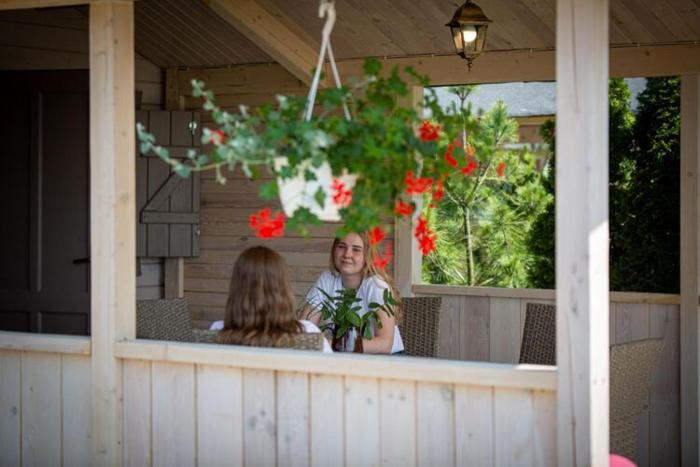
(150, 283)
(486, 325)
(57, 39)
(225, 209)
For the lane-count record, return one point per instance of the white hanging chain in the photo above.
(327, 9)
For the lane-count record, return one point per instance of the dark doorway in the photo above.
(44, 185)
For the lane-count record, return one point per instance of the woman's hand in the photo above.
(309, 313)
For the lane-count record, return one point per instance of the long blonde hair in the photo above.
(260, 305)
(369, 254)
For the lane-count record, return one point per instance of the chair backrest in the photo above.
(420, 325)
(539, 343)
(164, 319)
(298, 341)
(632, 369)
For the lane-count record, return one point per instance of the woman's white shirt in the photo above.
(309, 327)
(371, 290)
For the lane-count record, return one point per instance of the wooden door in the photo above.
(44, 185)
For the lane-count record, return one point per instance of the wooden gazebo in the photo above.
(112, 399)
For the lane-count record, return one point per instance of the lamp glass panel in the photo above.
(457, 38)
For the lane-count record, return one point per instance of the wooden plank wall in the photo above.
(56, 39)
(225, 209)
(44, 409)
(149, 284)
(196, 414)
(487, 328)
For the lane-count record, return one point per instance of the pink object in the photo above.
(619, 461)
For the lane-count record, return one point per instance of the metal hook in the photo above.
(327, 8)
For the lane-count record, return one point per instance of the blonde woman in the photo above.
(352, 267)
(260, 310)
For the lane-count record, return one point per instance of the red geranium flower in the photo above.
(342, 196)
(439, 191)
(416, 186)
(265, 225)
(427, 240)
(375, 235)
(471, 167)
(403, 209)
(428, 131)
(501, 168)
(427, 244)
(380, 262)
(217, 137)
(448, 156)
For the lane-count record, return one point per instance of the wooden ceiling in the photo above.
(197, 36)
(190, 33)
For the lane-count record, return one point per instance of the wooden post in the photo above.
(690, 259)
(174, 278)
(582, 232)
(112, 215)
(407, 258)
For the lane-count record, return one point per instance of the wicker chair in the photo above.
(299, 341)
(632, 369)
(169, 320)
(164, 319)
(539, 343)
(420, 325)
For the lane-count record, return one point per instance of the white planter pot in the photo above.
(297, 192)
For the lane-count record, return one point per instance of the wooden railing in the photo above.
(485, 324)
(199, 404)
(44, 399)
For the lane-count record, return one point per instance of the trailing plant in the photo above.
(393, 153)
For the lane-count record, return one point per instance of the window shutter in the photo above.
(167, 205)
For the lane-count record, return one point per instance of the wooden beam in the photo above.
(582, 233)
(174, 278)
(23, 4)
(407, 258)
(523, 65)
(491, 67)
(270, 34)
(690, 263)
(112, 215)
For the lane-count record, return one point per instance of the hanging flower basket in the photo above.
(317, 195)
(368, 129)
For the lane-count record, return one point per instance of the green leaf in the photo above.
(182, 170)
(309, 176)
(269, 190)
(144, 148)
(320, 196)
(371, 67)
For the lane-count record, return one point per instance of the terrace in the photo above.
(112, 399)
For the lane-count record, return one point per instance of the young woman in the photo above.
(260, 310)
(352, 267)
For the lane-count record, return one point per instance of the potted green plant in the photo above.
(340, 314)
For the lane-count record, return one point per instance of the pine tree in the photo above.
(644, 193)
(648, 242)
